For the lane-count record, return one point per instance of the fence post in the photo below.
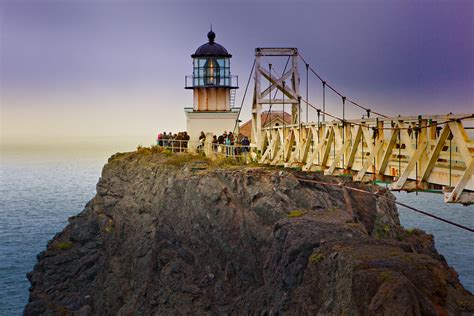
(208, 145)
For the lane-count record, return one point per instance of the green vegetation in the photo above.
(116, 156)
(382, 230)
(400, 237)
(109, 226)
(408, 232)
(412, 232)
(180, 159)
(63, 245)
(386, 276)
(220, 162)
(167, 152)
(316, 258)
(150, 150)
(296, 213)
(345, 176)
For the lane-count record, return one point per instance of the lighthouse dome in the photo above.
(211, 48)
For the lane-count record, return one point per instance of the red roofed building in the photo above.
(275, 118)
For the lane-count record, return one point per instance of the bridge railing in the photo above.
(414, 153)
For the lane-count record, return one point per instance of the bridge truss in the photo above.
(412, 153)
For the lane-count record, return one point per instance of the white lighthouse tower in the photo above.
(213, 91)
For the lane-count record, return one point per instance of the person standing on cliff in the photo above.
(174, 142)
(229, 143)
(158, 139)
(245, 147)
(202, 139)
(186, 140)
(180, 142)
(164, 140)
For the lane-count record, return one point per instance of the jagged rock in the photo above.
(165, 237)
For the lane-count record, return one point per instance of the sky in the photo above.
(103, 71)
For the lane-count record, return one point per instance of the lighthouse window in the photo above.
(211, 72)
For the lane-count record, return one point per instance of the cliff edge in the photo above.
(178, 234)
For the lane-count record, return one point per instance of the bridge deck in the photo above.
(414, 153)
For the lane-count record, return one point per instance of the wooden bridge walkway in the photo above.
(414, 153)
(433, 152)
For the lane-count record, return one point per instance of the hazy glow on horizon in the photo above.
(88, 70)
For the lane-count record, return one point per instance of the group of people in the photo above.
(176, 142)
(235, 145)
(228, 143)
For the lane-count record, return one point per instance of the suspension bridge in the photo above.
(411, 153)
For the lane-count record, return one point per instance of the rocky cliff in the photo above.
(177, 234)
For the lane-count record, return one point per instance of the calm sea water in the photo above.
(37, 197)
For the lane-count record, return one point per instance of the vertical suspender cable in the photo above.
(307, 91)
(299, 128)
(343, 126)
(319, 132)
(270, 94)
(418, 130)
(324, 101)
(284, 123)
(399, 151)
(375, 137)
(450, 157)
(416, 164)
(270, 110)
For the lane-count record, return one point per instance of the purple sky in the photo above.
(74, 70)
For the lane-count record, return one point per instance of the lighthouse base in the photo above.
(210, 122)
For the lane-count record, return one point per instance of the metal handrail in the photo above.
(236, 151)
(231, 81)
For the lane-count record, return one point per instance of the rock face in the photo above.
(175, 234)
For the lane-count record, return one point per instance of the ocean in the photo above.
(37, 196)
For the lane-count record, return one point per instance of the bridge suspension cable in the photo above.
(344, 100)
(368, 110)
(243, 98)
(388, 128)
(421, 158)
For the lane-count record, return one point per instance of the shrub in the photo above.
(382, 229)
(63, 245)
(412, 231)
(316, 258)
(295, 213)
(386, 276)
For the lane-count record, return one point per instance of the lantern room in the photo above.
(211, 79)
(213, 88)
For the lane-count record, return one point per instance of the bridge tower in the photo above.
(288, 84)
(213, 91)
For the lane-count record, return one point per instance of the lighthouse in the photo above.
(213, 88)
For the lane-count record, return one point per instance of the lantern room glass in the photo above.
(211, 71)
